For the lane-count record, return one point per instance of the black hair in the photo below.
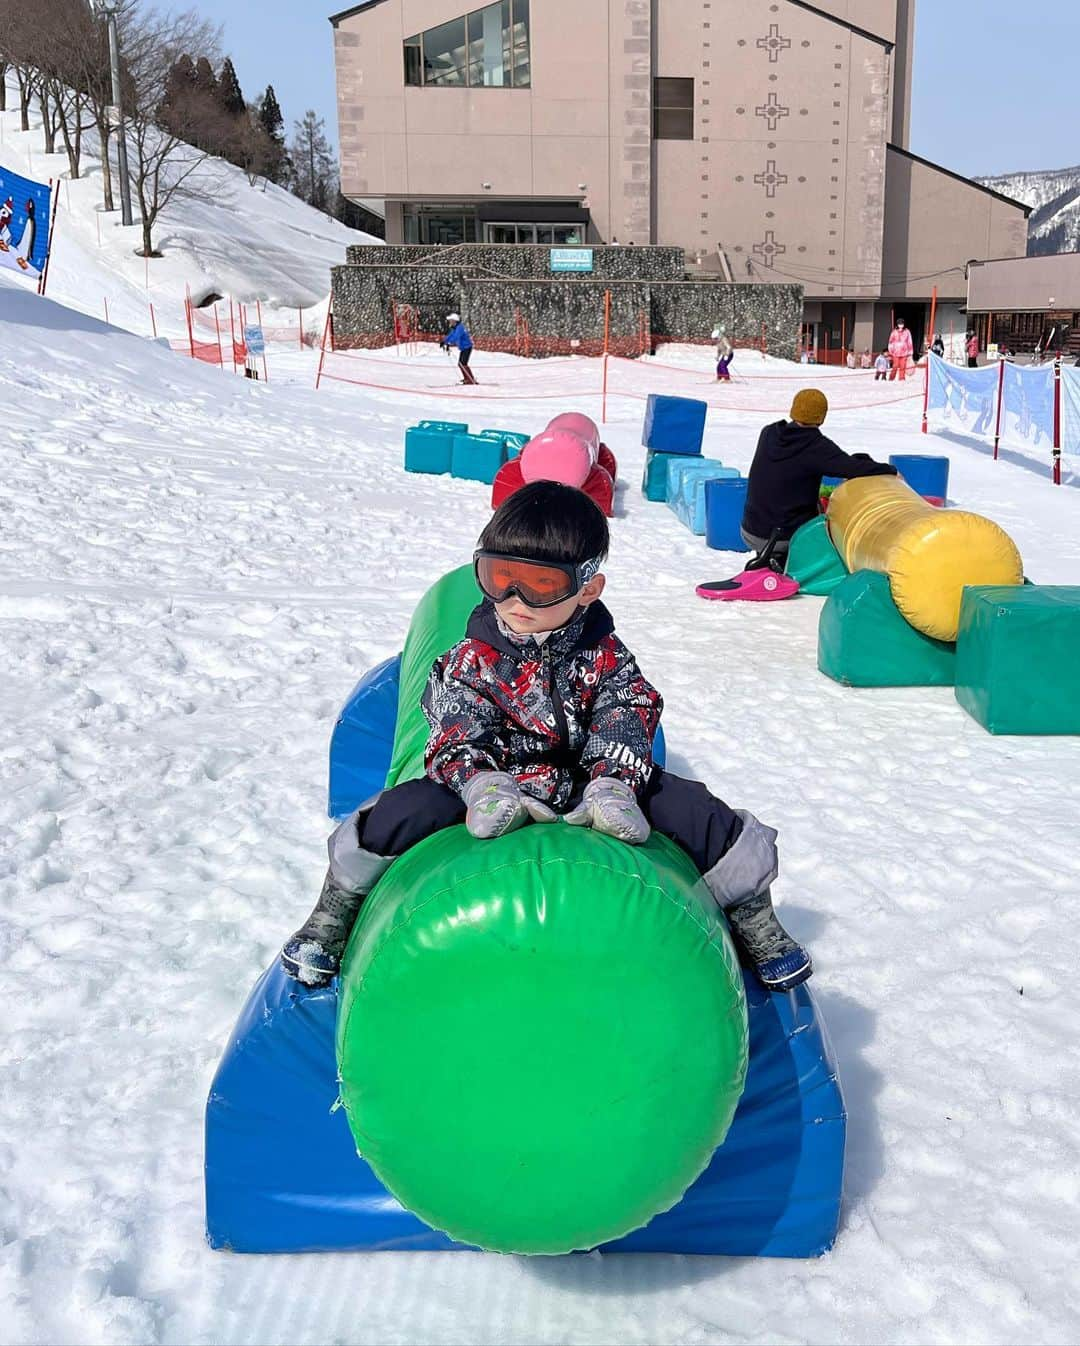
(547, 521)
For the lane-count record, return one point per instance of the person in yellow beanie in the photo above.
(785, 477)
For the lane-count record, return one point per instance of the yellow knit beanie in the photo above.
(810, 407)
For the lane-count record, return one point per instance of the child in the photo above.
(725, 353)
(458, 336)
(542, 714)
(882, 365)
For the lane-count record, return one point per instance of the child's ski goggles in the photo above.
(540, 584)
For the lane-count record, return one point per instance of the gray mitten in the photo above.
(610, 806)
(495, 804)
(749, 867)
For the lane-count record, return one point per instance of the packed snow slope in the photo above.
(194, 571)
(222, 236)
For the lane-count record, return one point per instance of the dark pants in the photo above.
(463, 364)
(682, 810)
(722, 367)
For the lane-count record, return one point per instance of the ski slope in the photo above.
(195, 569)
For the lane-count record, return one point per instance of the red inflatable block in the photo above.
(606, 460)
(599, 486)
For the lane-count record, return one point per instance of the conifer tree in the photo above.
(228, 91)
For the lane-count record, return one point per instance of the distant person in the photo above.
(901, 350)
(866, 360)
(458, 336)
(850, 360)
(938, 346)
(725, 353)
(972, 351)
(882, 365)
(784, 485)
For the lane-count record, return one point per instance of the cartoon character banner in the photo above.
(24, 224)
(966, 398)
(1027, 409)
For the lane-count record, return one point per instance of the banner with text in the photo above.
(24, 224)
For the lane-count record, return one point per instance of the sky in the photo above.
(992, 88)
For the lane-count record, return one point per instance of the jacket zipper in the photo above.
(556, 701)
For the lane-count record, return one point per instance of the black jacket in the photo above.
(785, 476)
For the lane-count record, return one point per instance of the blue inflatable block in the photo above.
(427, 450)
(725, 501)
(283, 1175)
(654, 482)
(447, 427)
(686, 488)
(514, 440)
(362, 743)
(478, 457)
(674, 424)
(926, 474)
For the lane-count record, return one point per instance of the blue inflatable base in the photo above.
(283, 1174)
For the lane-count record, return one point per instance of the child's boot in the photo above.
(313, 954)
(739, 881)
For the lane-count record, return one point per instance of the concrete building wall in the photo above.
(1026, 284)
(935, 222)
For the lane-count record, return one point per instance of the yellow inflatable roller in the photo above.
(929, 554)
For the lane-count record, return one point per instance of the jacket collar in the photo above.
(582, 632)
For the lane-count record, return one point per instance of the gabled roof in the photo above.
(968, 182)
(335, 19)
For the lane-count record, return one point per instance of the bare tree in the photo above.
(67, 40)
(17, 49)
(163, 162)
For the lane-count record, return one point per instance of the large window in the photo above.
(488, 48)
(673, 109)
(557, 235)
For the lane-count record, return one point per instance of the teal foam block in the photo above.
(478, 457)
(686, 489)
(654, 483)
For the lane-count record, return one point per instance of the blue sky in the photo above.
(992, 92)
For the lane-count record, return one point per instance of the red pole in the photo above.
(43, 279)
(1000, 388)
(929, 356)
(301, 311)
(258, 310)
(232, 335)
(1057, 421)
(153, 321)
(217, 329)
(322, 348)
(607, 331)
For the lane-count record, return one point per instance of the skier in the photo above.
(458, 336)
(725, 353)
(901, 349)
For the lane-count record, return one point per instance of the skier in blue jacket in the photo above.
(458, 336)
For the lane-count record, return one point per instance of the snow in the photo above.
(194, 571)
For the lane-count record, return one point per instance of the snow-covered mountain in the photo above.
(1054, 225)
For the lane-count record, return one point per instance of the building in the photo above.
(767, 138)
(1027, 303)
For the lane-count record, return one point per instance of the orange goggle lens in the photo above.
(540, 584)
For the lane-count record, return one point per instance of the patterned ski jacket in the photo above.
(553, 715)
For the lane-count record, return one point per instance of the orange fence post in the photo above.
(322, 349)
(190, 330)
(153, 321)
(217, 329)
(301, 313)
(926, 394)
(607, 330)
(232, 334)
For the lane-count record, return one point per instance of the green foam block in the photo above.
(863, 641)
(1017, 656)
(813, 560)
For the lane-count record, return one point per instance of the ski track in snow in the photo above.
(193, 573)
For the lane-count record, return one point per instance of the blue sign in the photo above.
(24, 224)
(254, 341)
(571, 259)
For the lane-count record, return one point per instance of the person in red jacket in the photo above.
(540, 715)
(972, 350)
(901, 349)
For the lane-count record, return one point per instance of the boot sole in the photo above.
(789, 982)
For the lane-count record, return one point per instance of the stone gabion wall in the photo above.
(690, 311)
(527, 261)
(545, 315)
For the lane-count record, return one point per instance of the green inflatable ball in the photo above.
(541, 1039)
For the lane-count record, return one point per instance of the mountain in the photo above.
(1054, 224)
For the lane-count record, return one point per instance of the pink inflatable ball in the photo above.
(582, 426)
(557, 455)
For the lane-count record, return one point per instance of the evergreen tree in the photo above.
(205, 81)
(313, 175)
(271, 124)
(270, 118)
(228, 91)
